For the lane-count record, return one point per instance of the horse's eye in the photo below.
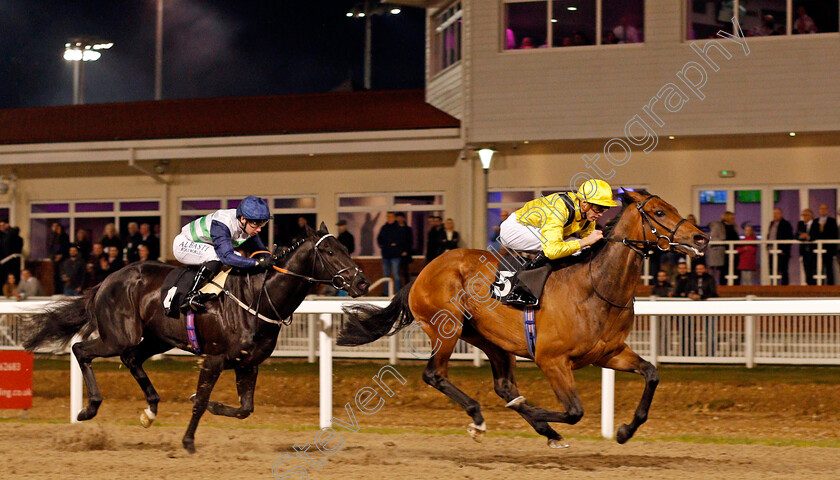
(660, 213)
(329, 252)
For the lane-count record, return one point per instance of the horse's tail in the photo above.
(368, 323)
(61, 321)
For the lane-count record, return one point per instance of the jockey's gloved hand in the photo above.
(265, 262)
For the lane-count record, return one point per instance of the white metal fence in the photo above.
(729, 330)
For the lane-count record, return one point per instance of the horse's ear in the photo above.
(323, 228)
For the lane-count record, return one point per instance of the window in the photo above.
(365, 215)
(571, 23)
(760, 18)
(447, 38)
(90, 217)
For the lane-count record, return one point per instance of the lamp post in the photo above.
(81, 50)
(486, 157)
(368, 10)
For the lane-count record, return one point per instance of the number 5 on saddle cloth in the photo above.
(178, 283)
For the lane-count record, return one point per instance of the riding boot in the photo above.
(523, 291)
(194, 299)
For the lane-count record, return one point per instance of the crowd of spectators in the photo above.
(83, 264)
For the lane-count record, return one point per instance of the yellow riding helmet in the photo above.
(597, 192)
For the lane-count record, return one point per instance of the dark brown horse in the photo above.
(585, 317)
(126, 311)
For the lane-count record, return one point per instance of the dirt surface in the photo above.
(705, 423)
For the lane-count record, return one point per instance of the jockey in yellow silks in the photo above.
(544, 225)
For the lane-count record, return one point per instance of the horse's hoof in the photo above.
(86, 414)
(623, 434)
(147, 417)
(477, 431)
(557, 443)
(189, 447)
(515, 402)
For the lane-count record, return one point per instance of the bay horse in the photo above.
(585, 316)
(238, 330)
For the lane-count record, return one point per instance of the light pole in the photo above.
(81, 50)
(486, 157)
(367, 10)
(159, 52)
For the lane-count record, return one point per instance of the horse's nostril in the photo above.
(700, 240)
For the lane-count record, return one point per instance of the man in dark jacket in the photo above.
(434, 239)
(806, 231)
(781, 229)
(827, 230)
(681, 280)
(390, 244)
(663, 286)
(346, 238)
(701, 285)
(407, 247)
(73, 272)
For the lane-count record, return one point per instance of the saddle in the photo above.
(179, 282)
(511, 270)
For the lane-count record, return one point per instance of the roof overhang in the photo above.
(434, 139)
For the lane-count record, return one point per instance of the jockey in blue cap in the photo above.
(209, 241)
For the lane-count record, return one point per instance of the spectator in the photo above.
(114, 261)
(10, 288)
(717, 253)
(110, 238)
(73, 272)
(610, 38)
(579, 39)
(625, 32)
(132, 241)
(767, 27)
(731, 230)
(143, 253)
(451, 237)
(302, 223)
(681, 280)
(663, 287)
(526, 43)
(803, 23)
(780, 229)
(406, 245)
(29, 286)
(748, 258)
(389, 241)
(59, 247)
(13, 244)
(83, 242)
(4, 227)
(827, 230)
(346, 238)
(701, 285)
(151, 241)
(434, 238)
(806, 231)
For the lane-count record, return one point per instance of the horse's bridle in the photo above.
(643, 247)
(337, 281)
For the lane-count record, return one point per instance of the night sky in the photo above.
(212, 48)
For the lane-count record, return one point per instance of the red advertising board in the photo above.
(15, 379)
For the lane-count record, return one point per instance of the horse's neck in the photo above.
(618, 268)
(285, 291)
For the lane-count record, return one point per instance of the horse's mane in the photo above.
(596, 249)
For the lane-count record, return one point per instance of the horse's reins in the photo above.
(646, 249)
(311, 279)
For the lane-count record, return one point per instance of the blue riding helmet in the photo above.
(253, 208)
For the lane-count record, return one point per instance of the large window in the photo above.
(761, 18)
(571, 23)
(90, 217)
(365, 215)
(447, 38)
